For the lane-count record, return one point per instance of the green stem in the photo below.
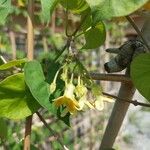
(63, 49)
(66, 22)
(55, 134)
(81, 33)
(78, 28)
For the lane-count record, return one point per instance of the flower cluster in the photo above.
(75, 97)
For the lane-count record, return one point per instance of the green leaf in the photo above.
(35, 80)
(16, 101)
(86, 18)
(47, 9)
(95, 37)
(105, 9)
(140, 74)
(76, 6)
(13, 63)
(3, 129)
(5, 9)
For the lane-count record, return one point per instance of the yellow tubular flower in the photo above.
(52, 86)
(68, 99)
(99, 103)
(81, 92)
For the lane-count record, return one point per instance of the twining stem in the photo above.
(70, 37)
(63, 49)
(138, 31)
(66, 23)
(55, 134)
(134, 102)
(80, 25)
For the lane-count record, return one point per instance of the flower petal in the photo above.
(89, 104)
(59, 101)
(99, 105)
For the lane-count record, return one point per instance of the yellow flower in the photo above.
(81, 92)
(83, 101)
(68, 99)
(99, 103)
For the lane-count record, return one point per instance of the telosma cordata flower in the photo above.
(68, 99)
(81, 94)
(99, 102)
(99, 97)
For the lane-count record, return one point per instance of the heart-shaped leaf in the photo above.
(47, 9)
(76, 6)
(5, 9)
(105, 9)
(95, 37)
(140, 74)
(16, 101)
(35, 80)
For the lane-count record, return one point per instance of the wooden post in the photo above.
(120, 108)
(119, 111)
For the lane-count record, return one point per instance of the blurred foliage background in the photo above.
(87, 127)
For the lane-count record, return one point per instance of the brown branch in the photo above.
(117, 116)
(110, 77)
(27, 133)
(55, 134)
(134, 102)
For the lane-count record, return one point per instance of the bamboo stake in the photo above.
(30, 47)
(119, 111)
(30, 30)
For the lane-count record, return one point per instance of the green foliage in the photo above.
(47, 9)
(16, 101)
(86, 18)
(95, 36)
(140, 74)
(13, 63)
(5, 9)
(3, 129)
(106, 9)
(75, 6)
(35, 80)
